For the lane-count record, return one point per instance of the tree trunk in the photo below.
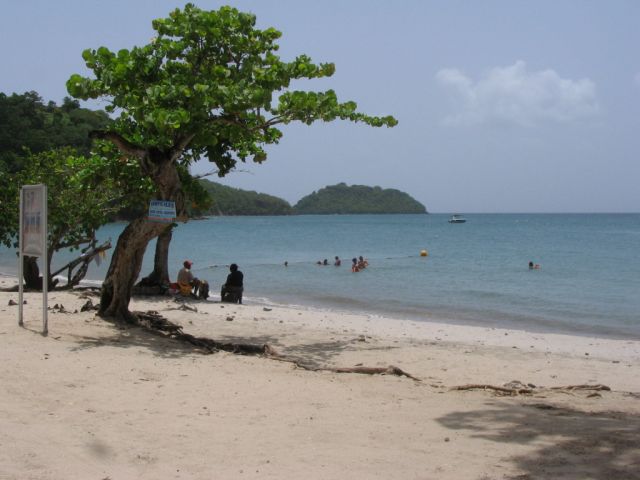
(125, 266)
(31, 273)
(126, 261)
(160, 274)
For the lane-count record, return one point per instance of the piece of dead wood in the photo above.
(185, 307)
(153, 321)
(595, 388)
(390, 370)
(495, 388)
(58, 308)
(88, 306)
(513, 391)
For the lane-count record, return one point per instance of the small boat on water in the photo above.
(457, 219)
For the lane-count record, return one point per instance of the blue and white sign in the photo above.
(163, 211)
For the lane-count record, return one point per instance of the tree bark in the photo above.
(31, 273)
(126, 261)
(125, 266)
(160, 274)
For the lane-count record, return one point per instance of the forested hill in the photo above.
(335, 199)
(29, 125)
(233, 201)
(357, 199)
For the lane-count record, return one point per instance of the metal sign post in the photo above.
(33, 242)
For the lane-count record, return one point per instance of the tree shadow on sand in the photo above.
(311, 354)
(133, 338)
(578, 445)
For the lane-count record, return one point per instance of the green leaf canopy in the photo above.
(210, 83)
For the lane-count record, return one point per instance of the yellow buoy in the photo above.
(424, 253)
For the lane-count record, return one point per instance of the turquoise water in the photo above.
(476, 273)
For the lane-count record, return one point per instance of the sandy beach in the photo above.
(93, 400)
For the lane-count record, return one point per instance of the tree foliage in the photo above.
(205, 86)
(234, 201)
(344, 199)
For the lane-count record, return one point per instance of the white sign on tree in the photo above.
(163, 211)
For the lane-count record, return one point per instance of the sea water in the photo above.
(475, 273)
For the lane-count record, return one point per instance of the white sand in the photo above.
(94, 401)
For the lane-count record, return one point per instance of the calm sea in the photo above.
(475, 273)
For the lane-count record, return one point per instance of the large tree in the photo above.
(209, 84)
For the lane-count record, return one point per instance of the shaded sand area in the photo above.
(96, 401)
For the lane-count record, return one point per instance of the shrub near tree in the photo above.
(204, 86)
(83, 192)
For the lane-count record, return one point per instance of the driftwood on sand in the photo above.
(517, 388)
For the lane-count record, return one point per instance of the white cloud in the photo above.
(513, 94)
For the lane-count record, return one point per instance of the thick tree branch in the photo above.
(180, 147)
(124, 145)
(83, 262)
(61, 246)
(236, 122)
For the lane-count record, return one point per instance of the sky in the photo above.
(503, 106)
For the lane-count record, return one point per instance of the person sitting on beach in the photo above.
(189, 285)
(232, 290)
(533, 266)
(337, 262)
(362, 263)
(354, 265)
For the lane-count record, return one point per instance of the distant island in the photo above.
(357, 199)
(331, 200)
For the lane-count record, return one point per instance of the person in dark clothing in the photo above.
(232, 290)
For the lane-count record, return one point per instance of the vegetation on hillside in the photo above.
(356, 199)
(28, 125)
(234, 201)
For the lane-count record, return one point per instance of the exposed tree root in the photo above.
(516, 388)
(156, 323)
(571, 388)
(499, 390)
(390, 370)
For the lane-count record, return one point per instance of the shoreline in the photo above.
(557, 342)
(94, 399)
(539, 328)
